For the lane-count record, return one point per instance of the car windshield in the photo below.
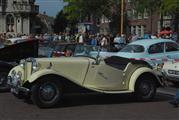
(87, 51)
(133, 49)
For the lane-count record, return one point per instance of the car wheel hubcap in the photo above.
(145, 88)
(48, 92)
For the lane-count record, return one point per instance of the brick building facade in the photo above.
(145, 23)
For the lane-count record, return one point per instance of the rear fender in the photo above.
(137, 74)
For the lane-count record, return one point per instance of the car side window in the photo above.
(156, 48)
(169, 47)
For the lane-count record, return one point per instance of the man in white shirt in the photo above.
(81, 38)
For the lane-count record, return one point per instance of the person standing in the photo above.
(117, 39)
(81, 40)
(134, 37)
(93, 40)
(104, 43)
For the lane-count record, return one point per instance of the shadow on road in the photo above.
(103, 99)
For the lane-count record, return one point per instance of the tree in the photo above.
(94, 9)
(81, 9)
(60, 22)
(172, 7)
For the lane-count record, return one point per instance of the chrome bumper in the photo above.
(17, 88)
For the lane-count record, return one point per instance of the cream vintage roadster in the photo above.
(45, 80)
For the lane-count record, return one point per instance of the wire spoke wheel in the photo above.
(46, 93)
(145, 89)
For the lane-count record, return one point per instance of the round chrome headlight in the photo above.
(22, 63)
(34, 65)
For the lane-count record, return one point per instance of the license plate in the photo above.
(174, 72)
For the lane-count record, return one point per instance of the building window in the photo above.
(139, 31)
(10, 23)
(133, 30)
(2, 2)
(134, 14)
(146, 14)
(129, 14)
(145, 29)
(139, 16)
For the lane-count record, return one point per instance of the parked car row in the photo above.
(45, 80)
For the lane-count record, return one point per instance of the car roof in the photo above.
(148, 42)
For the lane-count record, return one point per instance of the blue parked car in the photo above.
(148, 49)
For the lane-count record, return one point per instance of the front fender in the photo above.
(136, 75)
(41, 73)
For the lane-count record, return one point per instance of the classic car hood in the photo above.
(73, 68)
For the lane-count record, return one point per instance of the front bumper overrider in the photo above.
(16, 88)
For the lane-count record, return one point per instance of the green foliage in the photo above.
(60, 22)
(170, 6)
(80, 9)
(163, 6)
(147, 5)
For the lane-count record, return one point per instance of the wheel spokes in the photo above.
(47, 92)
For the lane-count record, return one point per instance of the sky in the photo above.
(51, 7)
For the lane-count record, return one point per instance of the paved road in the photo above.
(90, 107)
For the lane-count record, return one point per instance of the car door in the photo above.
(172, 50)
(104, 77)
